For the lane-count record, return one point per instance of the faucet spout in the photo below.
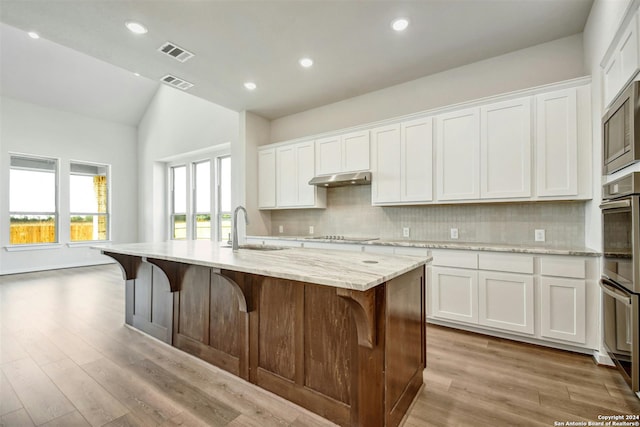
(234, 243)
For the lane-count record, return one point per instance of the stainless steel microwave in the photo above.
(621, 130)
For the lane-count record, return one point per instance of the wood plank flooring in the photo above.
(67, 360)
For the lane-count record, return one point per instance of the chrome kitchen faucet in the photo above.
(234, 243)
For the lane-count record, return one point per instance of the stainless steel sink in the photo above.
(254, 247)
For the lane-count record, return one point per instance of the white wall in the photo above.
(558, 60)
(254, 131)
(175, 123)
(31, 129)
(603, 22)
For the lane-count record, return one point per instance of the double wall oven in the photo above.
(620, 280)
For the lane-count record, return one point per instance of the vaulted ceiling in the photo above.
(354, 49)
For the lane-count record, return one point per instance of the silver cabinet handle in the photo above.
(614, 292)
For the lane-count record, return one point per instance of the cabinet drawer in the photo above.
(506, 263)
(460, 259)
(563, 267)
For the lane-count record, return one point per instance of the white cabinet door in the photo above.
(505, 149)
(623, 63)
(455, 294)
(628, 52)
(562, 309)
(305, 170)
(416, 167)
(267, 178)
(287, 181)
(328, 155)
(355, 149)
(294, 169)
(505, 301)
(385, 164)
(458, 155)
(611, 78)
(556, 144)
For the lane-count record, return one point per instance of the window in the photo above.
(33, 200)
(224, 198)
(179, 202)
(200, 197)
(89, 207)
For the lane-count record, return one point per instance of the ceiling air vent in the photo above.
(176, 52)
(176, 82)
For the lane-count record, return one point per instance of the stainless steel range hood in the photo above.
(342, 179)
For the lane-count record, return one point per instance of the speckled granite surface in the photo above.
(469, 246)
(350, 270)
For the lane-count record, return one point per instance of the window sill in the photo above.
(89, 243)
(36, 247)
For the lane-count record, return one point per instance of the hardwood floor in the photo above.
(67, 360)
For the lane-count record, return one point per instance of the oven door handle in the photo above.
(616, 204)
(614, 292)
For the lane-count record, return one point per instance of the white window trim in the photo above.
(108, 213)
(188, 159)
(35, 246)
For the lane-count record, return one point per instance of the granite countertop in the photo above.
(469, 246)
(340, 269)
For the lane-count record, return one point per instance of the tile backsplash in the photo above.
(349, 212)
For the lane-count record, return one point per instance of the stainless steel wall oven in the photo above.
(620, 280)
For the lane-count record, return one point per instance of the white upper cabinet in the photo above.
(284, 173)
(342, 153)
(528, 146)
(557, 143)
(386, 164)
(401, 162)
(267, 178)
(287, 179)
(355, 148)
(505, 149)
(623, 62)
(458, 154)
(329, 155)
(295, 167)
(416, 169)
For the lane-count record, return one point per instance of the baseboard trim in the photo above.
(55, 267)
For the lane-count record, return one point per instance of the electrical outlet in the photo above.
(539, 235)
(311, 229)
(405, 231)
(454, 233)
(281, 228)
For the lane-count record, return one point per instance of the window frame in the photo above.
(219, 211)
(190, 160)
(55, 214)
(106, 214)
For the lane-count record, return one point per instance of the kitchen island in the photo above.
(341, 334)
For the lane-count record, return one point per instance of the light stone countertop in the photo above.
(351, 270)
(469, 246)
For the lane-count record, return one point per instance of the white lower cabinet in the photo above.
(505, 301)
(455, 294)
(562, 309)
(545, 299)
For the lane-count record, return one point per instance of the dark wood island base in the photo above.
(354, 357)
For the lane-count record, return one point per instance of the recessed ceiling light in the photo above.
(400, 24)
(250, 85)
(306, 62)
(136, 74)
(33, 35)
(136, 27)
